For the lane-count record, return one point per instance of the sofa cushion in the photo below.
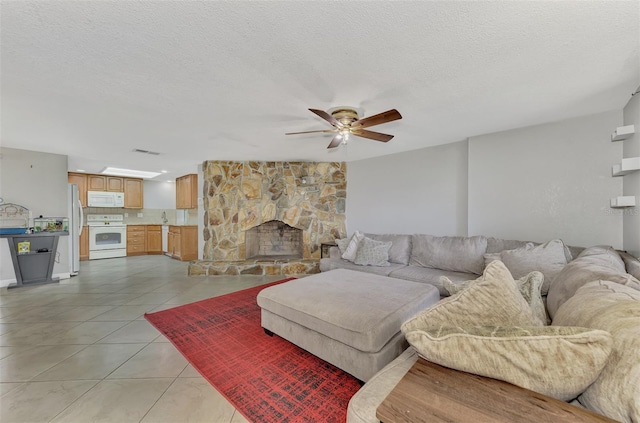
(594, 263)
(372, 253)
(614, 308)
(631, 264)
(430, 276)
(366, 310)
(457, 254)
(560, 362)
(548, 258)
(493, 300)
(400, 251)
(529, 287)
(327, 264)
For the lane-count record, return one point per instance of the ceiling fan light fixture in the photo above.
(345, 135)
(345, 121)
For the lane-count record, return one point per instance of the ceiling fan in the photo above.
(346, 122)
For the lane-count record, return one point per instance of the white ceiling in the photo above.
(212, 80)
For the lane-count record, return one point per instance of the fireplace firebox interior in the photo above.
(273, 240)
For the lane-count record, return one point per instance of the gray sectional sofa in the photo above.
(425, 258)
(595, 289)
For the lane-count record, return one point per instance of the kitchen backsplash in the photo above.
(149, 216)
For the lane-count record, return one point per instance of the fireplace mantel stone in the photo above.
(310, 196)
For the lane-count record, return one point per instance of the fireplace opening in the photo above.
(273, 240)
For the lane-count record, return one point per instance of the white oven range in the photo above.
(107, 236)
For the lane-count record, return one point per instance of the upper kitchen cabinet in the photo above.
(133, 193)
(187, 192)
(132, 188)
(105, 183)
(79, 179)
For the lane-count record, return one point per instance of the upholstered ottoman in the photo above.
(349, 319)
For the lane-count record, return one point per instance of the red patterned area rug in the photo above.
(267, 379)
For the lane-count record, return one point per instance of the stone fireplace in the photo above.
(306, 197)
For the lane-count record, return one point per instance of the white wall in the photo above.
(547, 181)
(37, 181)
(421, 191)
(159, 195)
(631, 148)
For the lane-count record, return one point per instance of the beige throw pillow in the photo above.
(342, 244)
(493, 300)
(548, 258)
(529, 287)
(560, 362)
(352, 247)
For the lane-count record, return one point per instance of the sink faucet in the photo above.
(164, 217)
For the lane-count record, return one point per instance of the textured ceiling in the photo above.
(216, 80)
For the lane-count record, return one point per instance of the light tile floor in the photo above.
(81, 350)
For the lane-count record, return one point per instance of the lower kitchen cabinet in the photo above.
(182, 243)
(154, 239)
(136, 240)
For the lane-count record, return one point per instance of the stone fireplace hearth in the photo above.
(307, 197)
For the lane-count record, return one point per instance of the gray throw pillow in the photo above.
(548, 258)
(372, 253)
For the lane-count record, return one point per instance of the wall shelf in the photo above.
(625, 167)
(622, 133)
(621, 202)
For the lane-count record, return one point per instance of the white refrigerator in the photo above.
(75, 228)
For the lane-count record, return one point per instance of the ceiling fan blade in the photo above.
(310, 132)
(326, 116)
(384, 117)
(378, 136)
(335, 141)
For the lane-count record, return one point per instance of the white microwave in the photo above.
(105, 199)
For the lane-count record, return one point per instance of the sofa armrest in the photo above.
(334, 252)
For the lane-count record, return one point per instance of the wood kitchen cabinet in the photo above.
(136, 240)
(79, 179)
(132, 187)
(133, 193)
(187, 192)
(154, 239)
(84, 243)
(105, 183)
(182, 242)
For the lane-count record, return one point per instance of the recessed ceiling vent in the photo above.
(153, 153)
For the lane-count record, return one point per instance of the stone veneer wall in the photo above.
(310, 196)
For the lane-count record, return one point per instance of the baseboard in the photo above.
(62, 276)
(6, 282)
